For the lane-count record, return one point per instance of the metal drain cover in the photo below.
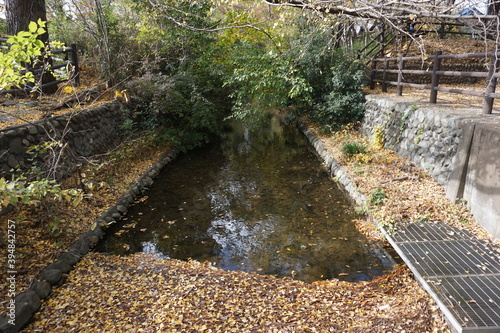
(474, 301)
(461, 272)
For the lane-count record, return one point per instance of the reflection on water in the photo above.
(256, 201)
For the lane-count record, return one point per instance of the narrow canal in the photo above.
(257, 200)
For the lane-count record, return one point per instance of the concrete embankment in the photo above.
(460, 148)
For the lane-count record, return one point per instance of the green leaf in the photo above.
(32, 27)
(38, 43)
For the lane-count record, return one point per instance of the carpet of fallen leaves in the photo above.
(142, 293)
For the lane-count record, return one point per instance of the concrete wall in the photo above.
(86, 133)
(459, 147)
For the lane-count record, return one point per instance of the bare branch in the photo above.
(381, 9)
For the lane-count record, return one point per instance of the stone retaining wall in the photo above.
(435, 138)
(427, 136)
(86, 132)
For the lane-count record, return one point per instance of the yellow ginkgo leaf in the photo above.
(68, 89)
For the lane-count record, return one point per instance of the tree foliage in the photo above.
(182, 59)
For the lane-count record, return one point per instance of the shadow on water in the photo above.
(255, 201)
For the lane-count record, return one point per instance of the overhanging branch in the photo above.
(372, 10)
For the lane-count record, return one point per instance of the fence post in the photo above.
(492, 83)
(400, 74)
(382, 43)
(435, 76)
(384, 75)
(372, 74)
(74, 59)
(441, 31)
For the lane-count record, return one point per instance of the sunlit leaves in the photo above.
(19, 190)
(262, 80)
(25, 47)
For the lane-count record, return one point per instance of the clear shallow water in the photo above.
(255, 201)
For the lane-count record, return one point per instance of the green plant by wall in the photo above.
(419, 135)
(377, 197)
(350, 149)
(19, 191)
(378, 137)
(404, 120)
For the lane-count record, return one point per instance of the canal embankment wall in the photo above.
(459, 147)
(69, 137)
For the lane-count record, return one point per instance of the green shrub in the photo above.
(353, 148)
(344, 103)
(20, 191)
(179, 108)
(378, 197)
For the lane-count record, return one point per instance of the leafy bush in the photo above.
(174, 108)
(263, 79)
(20, 191)
(344, 103)
(335, 77)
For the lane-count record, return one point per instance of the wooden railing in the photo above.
(379, 74)
(69, 58)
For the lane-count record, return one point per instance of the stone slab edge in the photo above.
(28, 302)
(334, 167)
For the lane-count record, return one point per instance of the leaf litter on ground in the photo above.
(144, 293)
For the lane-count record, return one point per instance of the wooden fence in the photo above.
(380, 74)
(69, 58)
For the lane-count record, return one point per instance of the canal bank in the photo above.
(452, 257)
(458, 146)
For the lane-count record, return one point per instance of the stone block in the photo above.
(69, 257)
(42, 289)
(52, 276)
(60, 264)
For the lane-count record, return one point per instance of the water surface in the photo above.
(254, 201)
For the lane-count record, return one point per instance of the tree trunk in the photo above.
(18, 14)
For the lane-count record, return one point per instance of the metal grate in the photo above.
(427, 231)
(474, 301)
(461, 272)
(441, 258)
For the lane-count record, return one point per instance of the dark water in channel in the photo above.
(256, 201)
